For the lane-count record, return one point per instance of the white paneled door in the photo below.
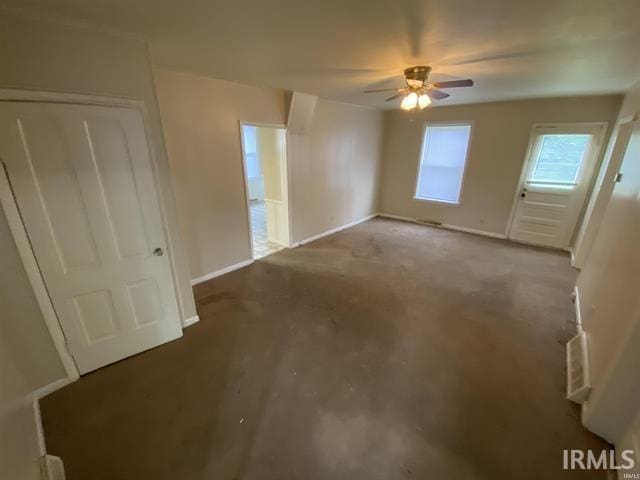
(555, 180)
(84, 184)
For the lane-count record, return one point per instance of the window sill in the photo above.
(433, 200)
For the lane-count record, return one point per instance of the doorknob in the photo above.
(158, 252)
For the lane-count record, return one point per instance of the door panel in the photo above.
(540, 215)
(96, 315)
(84, 185)
(556, 175)
(144, 296)
(49, 163)
(117, 182)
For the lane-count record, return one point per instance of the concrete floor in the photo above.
(386, 351)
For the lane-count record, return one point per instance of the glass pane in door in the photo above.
(560, 157)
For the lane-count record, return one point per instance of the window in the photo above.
(444, 154)
(251, 151)
(559, 158)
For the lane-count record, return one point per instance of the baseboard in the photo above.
(397, 217)
(447, 226)
(475, 231)
(336, 230)
(576, 302)
(52, 387)
(51, 467)
(573, 258)
(222, 271)
(190, 321)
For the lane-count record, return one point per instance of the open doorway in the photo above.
(266, 177)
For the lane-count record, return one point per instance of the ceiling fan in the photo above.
(418, 93)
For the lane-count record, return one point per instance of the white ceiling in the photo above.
(337, 48)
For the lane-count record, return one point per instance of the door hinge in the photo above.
(618, 178)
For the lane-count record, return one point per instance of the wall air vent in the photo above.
(429, 223)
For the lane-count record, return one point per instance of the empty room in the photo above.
(332, 240)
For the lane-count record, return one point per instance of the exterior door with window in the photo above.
(83, 182)
(557, 173)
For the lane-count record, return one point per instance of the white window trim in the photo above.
(596, 129)
(426, 125)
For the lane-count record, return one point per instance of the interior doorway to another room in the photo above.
(265, 166)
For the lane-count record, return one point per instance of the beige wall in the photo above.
(609, 303)
(47, 57)
(28, 360)
(19, 449)
(201, 119)
(270, 153)
(499, 141)
(604, 182)
(21, 319)
(42, 56)
(631, 102)
(37, 55)
(334, 167)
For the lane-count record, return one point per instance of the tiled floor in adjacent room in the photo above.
(261, 245)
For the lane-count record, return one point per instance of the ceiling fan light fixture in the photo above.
(424, 101)
(418, 92)
(410, 101)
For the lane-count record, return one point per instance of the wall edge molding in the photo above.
(335, 230)
(222, 271)
(447, 226)
(51, 387)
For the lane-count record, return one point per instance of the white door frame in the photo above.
(19, 233)
(245, 177)
(602, 189)
(601, 128)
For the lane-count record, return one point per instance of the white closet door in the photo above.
(83, 182)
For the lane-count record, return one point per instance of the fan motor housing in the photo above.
(417, 74)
